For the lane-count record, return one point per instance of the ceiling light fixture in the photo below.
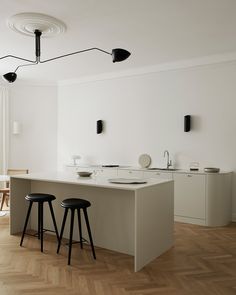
(38, 24)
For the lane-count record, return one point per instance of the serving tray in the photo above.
(127, 180)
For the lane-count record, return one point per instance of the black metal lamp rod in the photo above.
(37, 44)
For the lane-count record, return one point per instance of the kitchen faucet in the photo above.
(168, 163)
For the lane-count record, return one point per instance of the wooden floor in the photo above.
(202, 262)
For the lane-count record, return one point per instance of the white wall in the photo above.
(35, 107)
(144, 114)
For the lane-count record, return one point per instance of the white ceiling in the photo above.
(155, 31)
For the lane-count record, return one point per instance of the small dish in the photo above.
(212, 169)
(84, 173)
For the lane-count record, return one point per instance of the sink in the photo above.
(163, 169)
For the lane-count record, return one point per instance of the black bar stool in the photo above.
(40, 199)
(75, 204)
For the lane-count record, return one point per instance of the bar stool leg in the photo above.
(80, 229)
(39, 221)
(53, 219)
(41, 225)
(71, 233)
(89, 231)
(26, 222)
(62, 229)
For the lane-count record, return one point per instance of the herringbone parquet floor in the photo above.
(202, 262)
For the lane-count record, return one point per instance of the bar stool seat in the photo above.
(73, 204)
(40, 198)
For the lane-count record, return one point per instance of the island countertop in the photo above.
(69, 178)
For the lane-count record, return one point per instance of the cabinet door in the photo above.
(70, 168)
(107, 172)
(125, 173)
(157, 174)
(189, 195)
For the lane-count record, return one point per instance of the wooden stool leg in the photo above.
(71, 234)
(2, 201)
(62, 230)
(80, 229)
(53, 219)
(26, 222)
(7, 199)
(89, 231)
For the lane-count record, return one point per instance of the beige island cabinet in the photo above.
(135, 219)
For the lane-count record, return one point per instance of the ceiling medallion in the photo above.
(26, 24)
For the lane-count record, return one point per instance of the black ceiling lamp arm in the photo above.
(118, 54)
(38, 49)
(17, 57)
(76, 52)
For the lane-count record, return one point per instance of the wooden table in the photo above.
(136, 219)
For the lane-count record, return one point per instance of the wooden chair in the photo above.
(6, 191)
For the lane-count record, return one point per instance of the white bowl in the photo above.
(84, 173)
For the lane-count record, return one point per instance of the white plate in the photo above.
(144, 160)
(127, 180)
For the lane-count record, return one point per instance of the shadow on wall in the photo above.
(196, 123)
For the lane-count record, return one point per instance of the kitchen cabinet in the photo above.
(203, 199)
(199, 198)
(128, 173)
(107, 172)
(157, 174)
(96, 170)
(190, 196)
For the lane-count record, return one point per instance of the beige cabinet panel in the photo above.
(157, 174)
(190, 195)
(126, 173)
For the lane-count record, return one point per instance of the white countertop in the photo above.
(64, 177)
(201, 171)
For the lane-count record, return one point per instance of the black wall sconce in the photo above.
(99, 126)
(187, 123)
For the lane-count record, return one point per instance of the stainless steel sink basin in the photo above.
(163, 169)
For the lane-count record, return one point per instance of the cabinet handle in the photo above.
(189, 175)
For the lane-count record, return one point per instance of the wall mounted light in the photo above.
(187, 123)
(35, 24)
(99, 126)
(16, 127)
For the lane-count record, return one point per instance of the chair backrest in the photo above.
(17, 171)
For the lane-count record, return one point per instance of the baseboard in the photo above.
(234, 217)
(190, 220)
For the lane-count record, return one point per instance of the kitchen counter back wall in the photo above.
(145, 114)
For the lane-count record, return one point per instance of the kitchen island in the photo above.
(135, 219)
